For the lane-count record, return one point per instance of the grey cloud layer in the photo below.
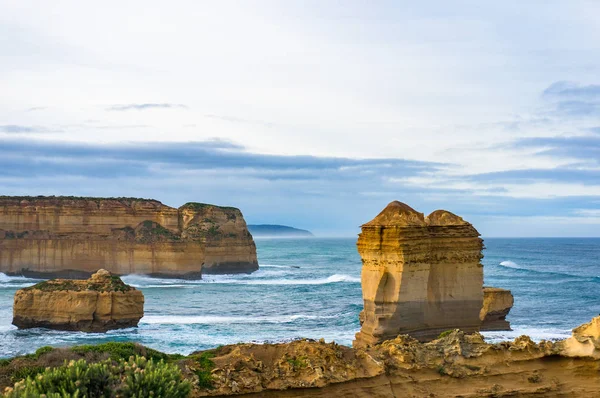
(143, 159)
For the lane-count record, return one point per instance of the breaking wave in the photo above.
(143, 281)
(511, 264)
(16, 281)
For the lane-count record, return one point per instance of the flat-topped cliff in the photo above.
(98, 304)
(420, 275)
(74, 236)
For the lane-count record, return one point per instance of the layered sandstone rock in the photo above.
(98, 304)
(454, 365)
(420, 275)
(73, 237)
(496, 306)
(585, 340)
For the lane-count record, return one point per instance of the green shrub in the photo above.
(136, 377)
(204, 370)
(145, 378)
(39, 352)
(24, 372)
(116, 350)
(444, 334)
(5, 362)
(76, 379)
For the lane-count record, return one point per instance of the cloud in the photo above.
(148, 158)
(566, 89)
(14, 128)
(574, 99)
(146, 106)
(583, 148)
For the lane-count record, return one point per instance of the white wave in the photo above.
(536, 334)
(211, 320)
(510, 264)
(143, 281)
(16, 281)
(337, 278)
(274, 266)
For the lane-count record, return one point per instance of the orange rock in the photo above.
(98, 304)
(496, 306)
(420, 276)
(73, 237)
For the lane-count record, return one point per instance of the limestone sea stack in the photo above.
(72, 237)
(420, 276)
(496, 306)
(98, 304)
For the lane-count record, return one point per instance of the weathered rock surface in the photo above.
(496, 306)
(420, 275)
(455, 365)
(73, 237)
(98, 304)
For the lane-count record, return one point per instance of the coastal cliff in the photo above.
(98, 304)
(420, 275)
(73, 237)
(455, 364)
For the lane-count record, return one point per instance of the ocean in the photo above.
(311, 288)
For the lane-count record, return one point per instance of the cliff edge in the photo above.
(73, 237)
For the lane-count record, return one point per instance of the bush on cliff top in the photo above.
(136, 377)
(124, 350)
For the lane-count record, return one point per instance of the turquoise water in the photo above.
(311, 288)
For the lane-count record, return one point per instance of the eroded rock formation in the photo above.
(98, 304)
(420, 275)
(454, 365)
(73, 237)
(496, 306)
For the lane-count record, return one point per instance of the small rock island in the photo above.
(101, 303)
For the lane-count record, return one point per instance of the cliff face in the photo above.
(454, 365)
(101, 303)
(73, 237)
(420, 276)
(496, 306)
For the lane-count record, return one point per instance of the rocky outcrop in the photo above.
(585, 341)
(98, 304)
(455, 364)
(420, 275)
(496, 306)
(73, 237)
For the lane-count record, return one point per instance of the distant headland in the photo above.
(66, 236)
(279, 231)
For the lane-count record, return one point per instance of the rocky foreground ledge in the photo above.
(98, 304)
(453, 365)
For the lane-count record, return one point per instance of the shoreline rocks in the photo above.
(101, 303)
(71, 237)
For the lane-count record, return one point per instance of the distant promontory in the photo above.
(277, 231)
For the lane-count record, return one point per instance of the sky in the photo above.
(313, 114)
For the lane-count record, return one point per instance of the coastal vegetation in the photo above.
(111, 369)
